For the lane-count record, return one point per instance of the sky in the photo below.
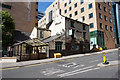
(43, 5)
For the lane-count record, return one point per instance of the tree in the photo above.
(7, 25)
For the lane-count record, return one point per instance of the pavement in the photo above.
(25, 63)
(111, 63)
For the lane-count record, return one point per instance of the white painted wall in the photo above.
(34, 33)
(58, 24)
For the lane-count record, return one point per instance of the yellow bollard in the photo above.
(104, 57)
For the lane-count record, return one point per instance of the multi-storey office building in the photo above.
(97, 14)
(116, 21)
(40, 15)
(24, 14)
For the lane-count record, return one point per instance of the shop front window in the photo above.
(77, 47)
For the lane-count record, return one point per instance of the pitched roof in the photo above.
(74, 20)
(33, 42)
(52, 38)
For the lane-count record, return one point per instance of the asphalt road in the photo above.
(81, 67)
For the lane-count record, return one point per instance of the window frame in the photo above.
(111, 28)
(58, 46)
(72, 24)
(92, 25)
(110, 20)
(75, 5)
(82, 9)
(106, 27)
(65, 11)
(100, 15)
(90, 15)
(76, 13)
(101, 26)
(70, 8)
(65, 4)
(82, 1)
(99, 6)
(105, 17)
(84, 27)
(105, 9)
(89, 6)
(70, 16)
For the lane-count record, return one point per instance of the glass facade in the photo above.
(97, 38)
(116, 22)
(50, 15)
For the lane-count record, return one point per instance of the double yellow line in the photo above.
(37, 64)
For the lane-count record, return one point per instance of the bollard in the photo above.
(104, 59)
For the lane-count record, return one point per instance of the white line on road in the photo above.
(78, 66)
(51, 71)
(80, 72)
(75, 71)
(94, 61)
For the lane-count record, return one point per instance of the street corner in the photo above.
(111, 63)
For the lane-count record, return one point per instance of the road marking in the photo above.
(72, 64)
(94, 61)
(79, 72)
(119, 55)
(75, 71)
(10, 68)
(32, 65)
(51, 71)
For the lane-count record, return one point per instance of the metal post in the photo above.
(21, 52)
(47, 49)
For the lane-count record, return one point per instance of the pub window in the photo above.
(84, 35)
(72, 24)
(41, 34)
(72, 46)
(77, 47)
(58, 46)
(84, 27)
